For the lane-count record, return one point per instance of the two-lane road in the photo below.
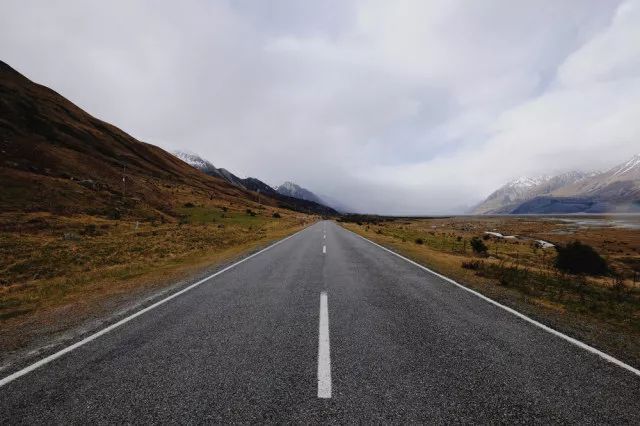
(325, 327)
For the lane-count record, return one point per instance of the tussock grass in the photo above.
(48, 260)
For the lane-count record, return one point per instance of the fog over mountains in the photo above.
(293, 190)
(288, 193)
(615, 190)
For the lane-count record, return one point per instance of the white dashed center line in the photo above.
(324, 357)
(324, 249)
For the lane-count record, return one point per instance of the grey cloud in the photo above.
(401, 107)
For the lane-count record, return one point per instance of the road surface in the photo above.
(325, 327)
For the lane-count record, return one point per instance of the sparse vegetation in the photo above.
(419, 241)
(276, 215)
(49, 261)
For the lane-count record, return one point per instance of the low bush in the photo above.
(478, 246)
(276, 215)
(419, 241)
(474, 265)
(579, 258)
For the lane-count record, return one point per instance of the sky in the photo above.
(389, 107)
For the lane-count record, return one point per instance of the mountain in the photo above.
(509, 195)
(55, 157)
(290, 189)
(616, 190)
(199, 163)
(255, 185)
(207, 167)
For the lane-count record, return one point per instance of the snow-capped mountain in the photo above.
(199, 163)
(295, 202)
(207, 167)
(290, 189)
(510, 194)
(628, 170)
(617, 189)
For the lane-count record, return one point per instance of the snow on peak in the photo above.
(193, 159)
(289, 186)
(527, 182)
(628, 166)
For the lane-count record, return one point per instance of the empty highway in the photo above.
(324, 327)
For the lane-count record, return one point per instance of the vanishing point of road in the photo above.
(323, 327)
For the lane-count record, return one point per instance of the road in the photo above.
(325, 327)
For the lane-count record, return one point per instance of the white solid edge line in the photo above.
(569, 339)
(324, 354)
(94, 336)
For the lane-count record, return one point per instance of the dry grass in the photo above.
(600, 310)
(78, 265)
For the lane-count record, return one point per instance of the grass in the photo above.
(602, 310)
(77, 264)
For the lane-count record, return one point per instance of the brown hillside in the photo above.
(55, 157)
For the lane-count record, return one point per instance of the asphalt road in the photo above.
(398, 344)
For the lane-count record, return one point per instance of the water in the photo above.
(626, 222)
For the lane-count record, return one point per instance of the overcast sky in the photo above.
(396, 107)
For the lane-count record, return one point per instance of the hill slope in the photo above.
(58, 158)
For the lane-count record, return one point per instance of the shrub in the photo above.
(90, 229)
(478, 246)
(225, 208)
(419, 241)
(251, 212)
(473, 265)
(189, 205)
(114, 214)
(276, 215)
(579, 258)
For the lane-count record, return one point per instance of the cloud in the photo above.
(404, 107)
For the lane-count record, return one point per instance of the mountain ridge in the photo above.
(256, 185)
(614, 190)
